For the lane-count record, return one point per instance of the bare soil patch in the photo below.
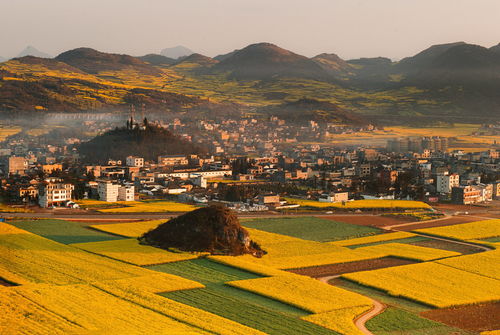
(368, 220)
(478, 318)
(438, 223)
(341, 268)
(98, 221)
(450, 246)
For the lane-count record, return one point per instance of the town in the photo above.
(250, 165)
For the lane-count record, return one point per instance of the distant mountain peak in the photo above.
(197, 59)
(267, 60)
(93, 61)
(427, 56)
(155, 59)
(332, 63)
(32, 51)
(176, 52)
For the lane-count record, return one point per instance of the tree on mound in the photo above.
(148, 141)
(213, 229)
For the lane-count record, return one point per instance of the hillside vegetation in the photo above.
(455, 79)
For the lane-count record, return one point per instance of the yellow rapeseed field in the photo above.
(372, 239)
(130, 251)
(40, 260)
(156, 282)
(129, 229)
(360, 204)
(73, 309)
(340, 320)
(178, 311)
(484, 263)
(151, 207)
(286, 252)
(408, 251)
(431, 283)
(72, 291)
(467, 231)
(240, 263)
(303, 292)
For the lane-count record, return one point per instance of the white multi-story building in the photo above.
(126, 193)
(107, 191)
(335, 197)
(54, 192)
(115, 192)
(134, 161)
(445, 182)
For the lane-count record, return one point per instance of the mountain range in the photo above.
(454, 79)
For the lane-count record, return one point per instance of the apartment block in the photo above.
(134, 161)
(54, 192)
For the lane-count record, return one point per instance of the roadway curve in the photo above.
(360, 321)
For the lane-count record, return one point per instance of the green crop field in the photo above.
(311, 228)
(399, 321)
(247, 308)
(234, 304)
(204, 271)
(66, 232)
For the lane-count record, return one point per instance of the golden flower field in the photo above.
(119, 286)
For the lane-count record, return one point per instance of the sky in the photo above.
(349, 28)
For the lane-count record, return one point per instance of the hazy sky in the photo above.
(350, 28)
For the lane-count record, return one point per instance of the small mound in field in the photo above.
(213, 229)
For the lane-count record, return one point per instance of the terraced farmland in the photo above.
(66, 276)
(311, 228)
(62, 231)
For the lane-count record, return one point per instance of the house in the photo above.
(126, 193)
(388, 176)
(107, 191)
(172, 160)
(334, 197)
(445, 182)
(111, 192)
(465, 195)
(268, 199)
(17, 165)
(54, 192)
(496, 190)
(49, 168)
(134, 161)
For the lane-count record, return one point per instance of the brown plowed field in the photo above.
(474, 318)
(438, 223)
(450, 246)
(99, 221)
(341, 268)
(367, 220)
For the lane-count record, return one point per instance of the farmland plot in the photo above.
(130, 251)
(431, 283)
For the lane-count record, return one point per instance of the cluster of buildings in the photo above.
(248, 159)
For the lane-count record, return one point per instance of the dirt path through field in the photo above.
(391, 227)
(360, 321)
